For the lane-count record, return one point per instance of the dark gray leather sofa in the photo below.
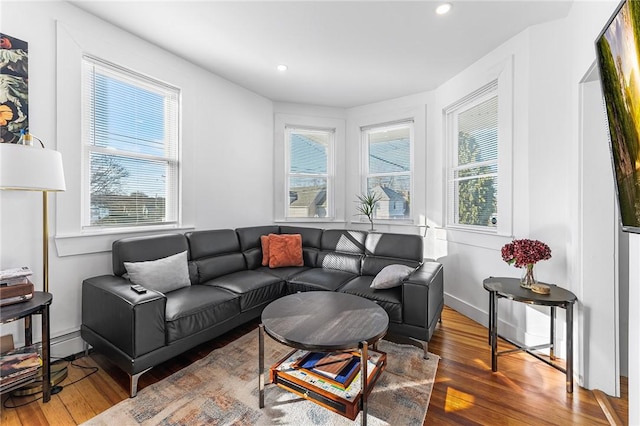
(229, 286)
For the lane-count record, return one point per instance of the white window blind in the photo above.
(388, 167)
(131, 145)
(308, 165)
(473, 172)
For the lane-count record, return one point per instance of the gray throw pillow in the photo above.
(391, 276)
(163, 275)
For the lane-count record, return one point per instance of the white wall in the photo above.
(227, 151)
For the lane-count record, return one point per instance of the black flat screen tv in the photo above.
(618, 53)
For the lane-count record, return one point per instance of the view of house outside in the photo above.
(389, 170)
(308, 172)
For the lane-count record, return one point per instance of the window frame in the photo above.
(282, 120)
(366, 174)
(173, 210)
(328, 176)
(500, 77)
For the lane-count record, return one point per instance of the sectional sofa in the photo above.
(228, 285)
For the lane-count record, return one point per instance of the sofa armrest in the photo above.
(132, 322)
(423, 295)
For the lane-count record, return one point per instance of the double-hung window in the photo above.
(309, 164)
(388, 163)
(473, 171)
(131, 146)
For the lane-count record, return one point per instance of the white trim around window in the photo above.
(500, 87)
(331, 132)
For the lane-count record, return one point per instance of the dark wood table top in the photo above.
(22, 309)
(510, 288)
(324, 321)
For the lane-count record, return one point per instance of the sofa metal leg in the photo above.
(133, 382)
(86, 348)
(424, 345)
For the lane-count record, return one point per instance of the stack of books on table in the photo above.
(15, 286)
(18, 367)
(339, 368)
(329, 379)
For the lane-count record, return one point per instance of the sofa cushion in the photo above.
(386, 249)
(195, 308)
(264, 241)
(285, 250)
(283, 273)
(311, 237)
(389, 299)
(391, 276)
(254, 288)
(342, 250)
(164, 275)
(250, 245)
(318, 279)
(140, 249)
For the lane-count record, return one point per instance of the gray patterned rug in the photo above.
(222, 389)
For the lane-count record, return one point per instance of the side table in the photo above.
(39, 304)
(509, 288)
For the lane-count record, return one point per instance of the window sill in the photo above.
(472, 237)
(101, 241)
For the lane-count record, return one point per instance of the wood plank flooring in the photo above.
(525, 391)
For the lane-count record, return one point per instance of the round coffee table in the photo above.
(323, 321)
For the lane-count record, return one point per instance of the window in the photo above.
(472, 131)
(130, 140)
(387, 168)
(308, 165)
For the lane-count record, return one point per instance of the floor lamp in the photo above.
(34, 168)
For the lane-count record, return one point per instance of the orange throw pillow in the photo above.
(264, 240)
(285, 250)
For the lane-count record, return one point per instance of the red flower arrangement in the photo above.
(525, 252)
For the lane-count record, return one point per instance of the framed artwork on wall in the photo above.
(14, 88)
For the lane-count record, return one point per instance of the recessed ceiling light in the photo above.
(443, 9)
(282, 67)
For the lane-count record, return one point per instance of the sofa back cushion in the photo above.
(250, 245)
(342, 249)
(215, 253)
(143, 249)
(311, 240)
(383, 249)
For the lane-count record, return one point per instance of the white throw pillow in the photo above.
(391, 276)
(163, 275)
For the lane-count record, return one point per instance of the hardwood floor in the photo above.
(524, 392)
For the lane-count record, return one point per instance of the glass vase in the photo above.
(528, 279)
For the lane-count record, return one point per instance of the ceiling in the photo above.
(338, 53)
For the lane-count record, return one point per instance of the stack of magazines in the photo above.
(15, 286)
(339, 368)
(18, 366)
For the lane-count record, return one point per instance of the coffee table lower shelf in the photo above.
(304, 383)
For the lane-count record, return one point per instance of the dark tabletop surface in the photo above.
(23, 309)
(324, 320)
(510, 288)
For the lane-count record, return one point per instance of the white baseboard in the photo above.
(482, 317)
(504, 328)
(66, 344)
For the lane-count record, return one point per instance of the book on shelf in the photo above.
(19, 362)
(7, 274)
(15, 293)
(338, 368)
(13, 281)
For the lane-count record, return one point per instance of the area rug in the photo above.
(222, 389)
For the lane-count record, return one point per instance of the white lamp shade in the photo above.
(24, 167)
